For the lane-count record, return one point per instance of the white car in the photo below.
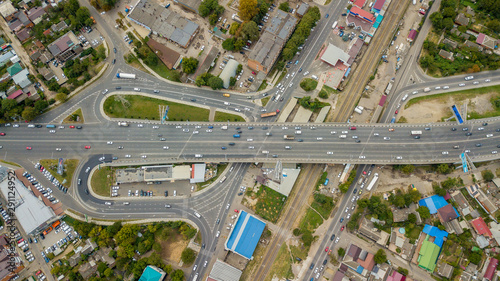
(203, 47)
(104, 92)
(305, 73)
(494, 152)
(52, 131)
(251, 147)
(487, 80)
(140, 125)
(156, 127)
(414, 92)
(144, 156)
(165, 147)
(438, 88)
(329, 152)
(319, 138)
(109, 142)
(195, 132)
(209, 130)
(444, 152)
(446, 87)
(461, 84)
(128, 156)
(58, 149)
(362, 157)
(61, 127)
(469, 78)
(475, 82)
(387, 138)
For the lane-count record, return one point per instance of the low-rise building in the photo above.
(228, 72)
(168, 56)
(486, 41)
(445, 270)
(461, 19)
(302, 10)
(7, 10)
(412, 35)
(491, 269)
(152, 273)
(66, 47)
(222, 271)
(35, 14)
(480, 227)
(88, 269)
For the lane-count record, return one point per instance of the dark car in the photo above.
(224, 148)
(312, 266)
(478, 145)
(193, 100)
(203, 246)
(300, 140)
(417, 137)
(332, 237)
(341, 219)
(166, 193)
(118, 88)
(79, 127)
(485, 124)
(87, 191)
(241, 193)
(231, 143)
(453, 129)
(114, 60)
(300, 69)
(325, 261)
(355, 190)
(242, 52)
(114, 50)
(468, 134)
(358, 141)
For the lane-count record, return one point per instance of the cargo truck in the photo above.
(372, 183)
(125, 75)
(288, 137)
(415, 133)
(123, 124)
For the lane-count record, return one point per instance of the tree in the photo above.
(151, 59)
(239, 68)
(101, 267)
(29, 113)
(108, 272)
(494, 25)
(247, 9)
(399, 201)
(285, 7)
(188, 256)
(380, 257)
(189, 65)
(250, 31)
(215, 83)
(340, 251)
(177, 275)
(408, 169)
(448, 23)
(412, 218)
(487, 174)
(234, 28)
(61, 97)
(228, 44)
(437, 20)
(443, 169)
(232, 81)
(41, 105)
(475, 257)
(307, 238)
(424, 212)
(449, 12)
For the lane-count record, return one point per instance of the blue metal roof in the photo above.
(434, 203)
(246, 234)
(437, 233)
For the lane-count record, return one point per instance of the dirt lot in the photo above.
(434, 109)
(173, 247)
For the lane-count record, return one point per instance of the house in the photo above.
(461, 19)
(359, 3)
(35, 14)
(6, 57)
(168, 56)
(445, 270)
(446, 55)
(74, 259)
(470, 11)
(23, 17)
(412, 35)
(447, 213)
(333, 55)
(480, 227)
(88, 269)
(377, 7)
(191, 5)
(362, 14)
(429, 247)
(60, 26)
(228, 72)
(396, 276)
(7, 10)
(14, 69)
(486, 41)
(271, 42)
(89, 247)
(490, 271)
(66, 47)
(473, 45)
(21, 78)
(164, 22)
(103, 255)
(152, 273)
(46, 72)
(15, 25)
(451, 43)
(24, 34)
(400, 215)
(302, 10)
(18, 95)
(368, 230)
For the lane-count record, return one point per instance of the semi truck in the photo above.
(125, 75)
(269, 114)
(372, 183)
(123, 124)
(288, 137)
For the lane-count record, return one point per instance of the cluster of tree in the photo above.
(403, 271)
(487, 175)
(105, 5)
(424, 212)
(492, 7)
(377, 208)
(345, 186)
(189, 65)
(441, 188)
(285, 7)
(253, 10)
(406, 169)
(308, 84)
(324, 201)
(188, 256)
(242, 33)
(211, 9)
(444, 18)
(28, 109)
(306, 102)
(306, 236)
(300, 35)
(404, 199)
(353, 223)
(380, 256)
(145, 53)
(207, 79)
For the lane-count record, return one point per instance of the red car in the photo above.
(2, 134)
(236, 211)
(38, 272)
(72, 127)
(326, 249)
(364, 172)
(342, 228)
(253, 72)
(87, 147)
(28, 147)
(396, 112)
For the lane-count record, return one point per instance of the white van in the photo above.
(314, 77)
(137, 89)
(342, 136)
(265, 151)
(198, 155)
(226, 103)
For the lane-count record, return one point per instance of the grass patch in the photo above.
(265, 101)
(224, 117)
(322, 204)
(269, 204)
(73, 117)
(414, 233)
(282, 265)
(198, 238)
(310, 221)
(262, 86)
(460, 96)
(139, 107)
(10, 163)
(326, 91)
(308, 84)
(133, 61)
(165, 72)
(69, 168)
(298, 252)
(101, 180)
(220, 169)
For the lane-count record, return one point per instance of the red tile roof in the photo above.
(481, 227)
(379, 4)
(492, 267)
(359, 3)
(15, 94)
(362, 14)
(412, 34)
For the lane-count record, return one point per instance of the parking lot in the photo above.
(57, 239)
(177, 188)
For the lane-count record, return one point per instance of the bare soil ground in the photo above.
(172, 248)
(434, 109)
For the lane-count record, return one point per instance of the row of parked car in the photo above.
(70, 236)
(51, 178)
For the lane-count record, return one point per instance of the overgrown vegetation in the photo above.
(314, 105)
(269, 203)
(308, 84)
(326, 91)
(211, 9)
(207, 79)
(69, 168)
(345, 186)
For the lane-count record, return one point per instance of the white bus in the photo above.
(223, 179)
(334, 25)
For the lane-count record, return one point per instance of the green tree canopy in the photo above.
(247, 9)
(215, 83)
(189, 65)
(380, 257)
(285, 7)
(487, 175)
(424, 212)
(188, 256)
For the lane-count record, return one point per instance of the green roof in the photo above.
(151, 274)
(429, 253)
(14, 69)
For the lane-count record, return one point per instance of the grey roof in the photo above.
(222, 271)
(20, 76)
(5, 57)
(281, 25)
(164, 22)
(302, 9)
(228, 72)
(30, 211)
(190, 4)
(333, 54)
(7, 9)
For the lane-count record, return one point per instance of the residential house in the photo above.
(103, 255)
(89, 247)
(35, 14)
(74, 259)
(377, 7)
(15, 25)
(302, 10)
(480, 227)
(46, 72)
(152, 273)
(23, 17)
(24, 34)
(446, 55)
(14, 69)
(18, 95)
(359, 260)
(21, 78)
(490, 271)
(400, 215)
(7, 10)
(473, 45)
(60, 26)
(429, 247)
(271, 42)
(88, 269)
(368, 230)
(164, 22)
(470, 11)
(445, 270)
(453, 44)
(461, 19)
(66, 47)
(399, 241)
(4, 58)
(396, 276)
(486, 41)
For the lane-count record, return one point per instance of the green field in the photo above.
(140, 107)
(269, 203)
(310, 221)
(265, 101)
(69, 168)
(282, 265)
(101, 181)
(224, 117)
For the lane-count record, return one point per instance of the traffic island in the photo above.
(69, 168)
